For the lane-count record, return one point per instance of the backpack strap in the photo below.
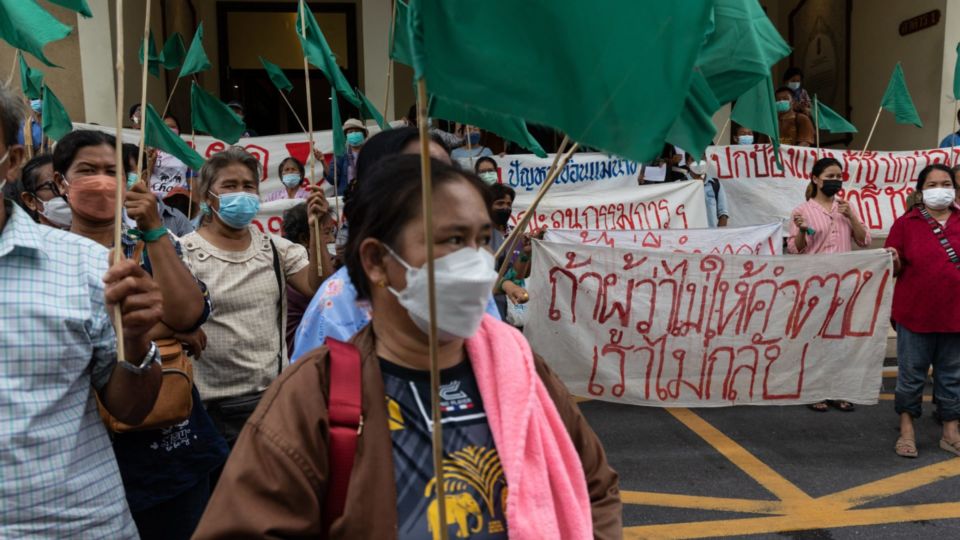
(345, 414)
(941, 237)
(283, 290)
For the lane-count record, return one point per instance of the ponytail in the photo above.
(811, 190)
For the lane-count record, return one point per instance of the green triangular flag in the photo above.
(31, 80)
(956, 76)
(196, 60)
(56, 122)
(153, 60)
(339, 139)
(277, 77)
(174, 52)
(828, 120)
(400, 48)
(158, 135)
(27, 26)
(80, 6)
(212, 116)
(510, 128)
(369, 111)
(318, 53)
(898, 101)
(693, 130)
(530, 46)
(757, 110)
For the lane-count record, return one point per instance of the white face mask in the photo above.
(464, 281)
(745, 139)
(793, 86)
(58, 212)
(291, 180)
(939, 198)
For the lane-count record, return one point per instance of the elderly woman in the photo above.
(246, 271)
(538, 471)
(925, 243)
(42, 196)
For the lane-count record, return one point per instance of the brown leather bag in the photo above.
(175, 401)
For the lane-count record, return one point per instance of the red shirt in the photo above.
(926, 298)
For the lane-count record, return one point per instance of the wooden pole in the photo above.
(953, 136)
(427, 189)
(872, 129)
(118, 209)
(13, 70)
(313, 162)
(173, 91)
(386, 95)
(295, 115)
(816, 122)
(143, 99)
(723, 130)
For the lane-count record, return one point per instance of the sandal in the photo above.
(952, 447)
(822, 406)
(844, 406)
(908, 447)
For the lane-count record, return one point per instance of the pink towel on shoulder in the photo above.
(546, 489)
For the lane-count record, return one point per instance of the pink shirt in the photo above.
(832, 230)
(282, 194)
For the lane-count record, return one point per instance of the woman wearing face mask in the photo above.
(42, 196)
(796, 128)
(166, 171)
(471, 147)
(924, 243)
(826, 224)
(501, 400)
(793, 79)
(744, 135)
(292, 174)
(247, 272)
(486, 168)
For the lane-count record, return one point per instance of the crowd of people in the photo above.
(304, 357)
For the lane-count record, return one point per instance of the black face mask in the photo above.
(831, 187)
(501, 216)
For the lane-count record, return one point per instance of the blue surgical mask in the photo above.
(36, 105)
(237, 210)
(474, 138)
(783, 106)
(745, 139)
(291, 180)
(355, 138)
(132, 179)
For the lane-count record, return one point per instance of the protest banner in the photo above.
(270, 217)
(694, 330)
(876, 184)
(753, 240)
(585, 170)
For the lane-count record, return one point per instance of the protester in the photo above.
(246, 271)
(447, 139)
(282, 465)
(826, 224)
(135, 114)
(296, 230)
(292, 175)
(715, 198)
(42, 196)
(472, 148)
(165, 471)
(166, 171)
(924, 244)
(173, 219)
(58, 476)
(486, 168)
(35, 120)
(744, 135)
(344, 170)
(237, 109)
(501, 209)
(674, 159)
(793, 79)
(952, 139)
(796, 128)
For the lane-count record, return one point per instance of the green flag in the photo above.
(173, 52)
(828, 119)
(80, 6)
(607, 77)
(56, 122)
(510, 128)
(898, 101)
(27, 26)
(277, 77)
(158, 135)
(956, 76)
(318, 53)
(153, 65)
(31, 80)
(757, 110)
(693, 130)
(211, 115)
(400, 48)
(369, 110)
(196, 60)
(339, 139)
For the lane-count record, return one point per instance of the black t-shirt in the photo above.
(476, 489)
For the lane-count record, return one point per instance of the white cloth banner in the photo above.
(691, 330)
(270, 217)
(585, 171)
(877, 184)
(676, 205)
(753, 240)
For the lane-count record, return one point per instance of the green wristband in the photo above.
(150, 236)
(524, 258)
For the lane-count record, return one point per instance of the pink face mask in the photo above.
(94, 197)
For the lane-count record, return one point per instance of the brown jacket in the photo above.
(796, 128)
(274, 484)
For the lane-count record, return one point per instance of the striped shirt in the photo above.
(832, 232)
(58, 475)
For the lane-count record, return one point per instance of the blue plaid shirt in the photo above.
(58, 475)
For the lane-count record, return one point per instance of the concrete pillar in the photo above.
(97, 64)
(375, 33)
(951, 22)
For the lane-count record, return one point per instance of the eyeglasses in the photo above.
(47, 186)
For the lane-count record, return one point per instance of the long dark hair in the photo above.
(819, 167)
(71, 143)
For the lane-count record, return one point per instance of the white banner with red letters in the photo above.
(753, 240)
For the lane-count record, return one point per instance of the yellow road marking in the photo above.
(720, 504)
(776, 484)
(819, 518)
(893, 485)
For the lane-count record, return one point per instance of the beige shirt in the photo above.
(245, 346)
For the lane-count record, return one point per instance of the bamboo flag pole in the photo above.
(118, 210)
(816, 122)
(313, 162)
(13, 70)
(295, 115)
(953, 137)
(517, 232)
(872, 129)
(723, 130)
(427, 194)
(173, 91)
(386, 95)
(143, 97)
